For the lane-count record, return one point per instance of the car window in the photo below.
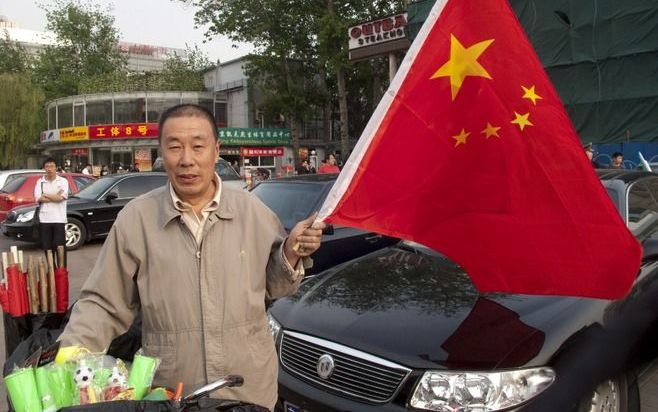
(132, 187)
(643, 207)
(225, 171)
(155, 182)
(14, 183)
(82, 181)
(97, 188)
(291, 202)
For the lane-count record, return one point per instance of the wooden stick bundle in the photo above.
(33, 293)
(43, 285)
(60, 256)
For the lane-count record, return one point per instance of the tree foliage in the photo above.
(21, 118)
(13, 56)
(86, 46)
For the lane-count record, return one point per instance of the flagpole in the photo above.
(345, 177)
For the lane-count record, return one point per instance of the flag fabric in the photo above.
(471, 152)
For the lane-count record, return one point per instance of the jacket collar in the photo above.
(168, 212)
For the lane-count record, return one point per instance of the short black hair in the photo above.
(615, 154)
(187, 110)
(48, 160)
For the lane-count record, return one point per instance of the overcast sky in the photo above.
(156, 22)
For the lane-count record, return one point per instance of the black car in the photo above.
(404, 329)
(294, 198)
(91, 212)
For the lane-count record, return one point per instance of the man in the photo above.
(199, 260)
(617, 161)
(51, 192)
(589, 151)
(329, 165)
(304, 168)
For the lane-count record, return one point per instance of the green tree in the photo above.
(13, 57)
(87, 46)
(21, 118)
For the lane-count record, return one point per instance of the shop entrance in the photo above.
(121, 161)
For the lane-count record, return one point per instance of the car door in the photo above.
(109, 205)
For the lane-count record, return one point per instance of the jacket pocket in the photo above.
(162, 346)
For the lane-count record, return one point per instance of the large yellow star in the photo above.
(522, 120)
(490, 131)
(461, 137)
(463, 62)
(530, 94)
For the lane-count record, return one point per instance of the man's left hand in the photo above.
(304, 239)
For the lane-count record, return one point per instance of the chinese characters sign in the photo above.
(261, 151)
(252, 136)
(123, 131)
(73, 134)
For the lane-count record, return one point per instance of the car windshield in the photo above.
(95, 189)
(14, 184)
(225, 171)
(290, 201)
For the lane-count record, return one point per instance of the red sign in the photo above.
(261, 151)
(123, 131)
(83, 151)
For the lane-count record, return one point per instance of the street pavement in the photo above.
(82, 260)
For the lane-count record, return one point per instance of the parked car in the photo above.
(404, 329)
(91, 212)
(6, 175)
(19, 189)
(294, 198)
(223, 168)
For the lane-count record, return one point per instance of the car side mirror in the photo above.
(328, 229)
(111, 196)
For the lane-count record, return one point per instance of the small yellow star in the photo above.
(522, 120)
(463, 62)
(490, 131)
(461, 137)
(530, 94)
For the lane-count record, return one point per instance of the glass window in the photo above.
(64, 115)
(96, 189)
(156, 181)
(129, 110)
(132, 187)
(220, 114)
(52, 117)
(291, 202)
(157, 105)
(226, 171)
(79, 114)
(82, 181)
(99, 112)
(13, 183)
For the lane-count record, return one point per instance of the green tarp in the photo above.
(602, 56)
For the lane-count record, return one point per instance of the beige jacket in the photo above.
(203, 308)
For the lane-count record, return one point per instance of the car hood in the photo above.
(73, 203)
(422, 311)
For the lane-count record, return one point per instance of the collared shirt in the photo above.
(191, 219)
(196, 223)
(52, 212)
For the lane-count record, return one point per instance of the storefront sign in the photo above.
(261, 151)
(82, 151)
(230, 151)
(253, 136)
(378, 37)
(74, 134)
(124, 131)
(122, 149)
(50, 136)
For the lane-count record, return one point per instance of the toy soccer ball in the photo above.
(84, 376)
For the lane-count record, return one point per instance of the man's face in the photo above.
(617, 161)
(51, 170)
(189, 151)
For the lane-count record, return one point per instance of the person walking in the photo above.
(51, 192)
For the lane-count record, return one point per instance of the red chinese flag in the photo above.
(471, 152)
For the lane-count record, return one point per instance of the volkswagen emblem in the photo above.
(325, 366)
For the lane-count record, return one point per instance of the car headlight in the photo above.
(275, 327)
(447, 391)
(25, 217)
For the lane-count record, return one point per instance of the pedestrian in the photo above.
(51, 192)
(304, 168)
(589, 151)
(134, 168)
(105, 170)
(87, 169)
(329, 165)
(617, 161)
(199, 259)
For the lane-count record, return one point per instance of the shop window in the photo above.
(52, 117)
(64, 115)
(129, 111)
(99, 112)
(158, 105)
(79, 114)
(221, 117)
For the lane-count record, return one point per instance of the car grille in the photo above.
(356, 374)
